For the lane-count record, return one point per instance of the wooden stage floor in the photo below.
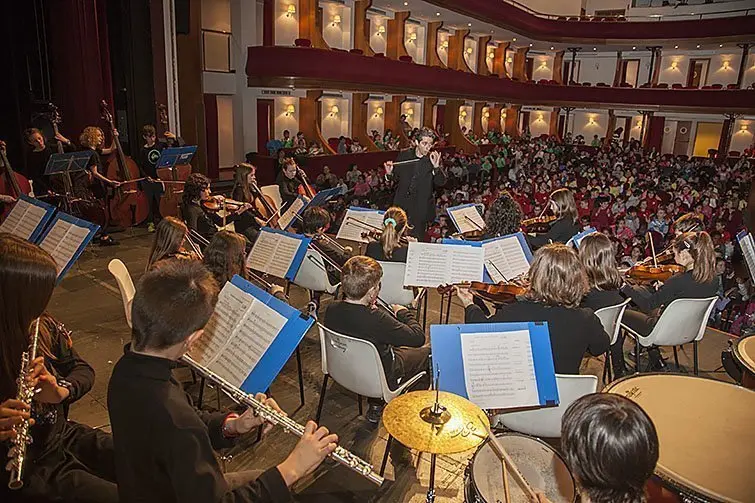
(89, 303)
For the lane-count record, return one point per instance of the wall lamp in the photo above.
(290, 109)
(291, 10)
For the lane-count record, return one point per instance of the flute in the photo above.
(272, 416)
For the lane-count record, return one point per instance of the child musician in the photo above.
(164, 447)
(557, 285)
(170, 242)
(504, 217)
(66, 461)
(567, 220)
(393, 244)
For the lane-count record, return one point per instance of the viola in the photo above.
(11, 183)
(538, 225)
(129, 206)
(501, 293)
(650, 273)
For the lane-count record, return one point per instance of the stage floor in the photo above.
(89, 303)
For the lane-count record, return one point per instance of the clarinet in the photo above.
(23, 437)
(272, 416)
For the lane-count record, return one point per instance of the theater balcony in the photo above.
(311, 68)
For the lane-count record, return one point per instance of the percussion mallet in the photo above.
(506, 459)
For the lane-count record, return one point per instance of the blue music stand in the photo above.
(173, 156)
(64, 164)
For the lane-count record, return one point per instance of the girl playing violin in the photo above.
(393, 244)
(694, 252)
(249, 222)
(557, 284)
(566, 224)
(170, 241)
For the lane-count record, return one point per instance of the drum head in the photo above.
(744, 349)
(539, 463)
(704, 429)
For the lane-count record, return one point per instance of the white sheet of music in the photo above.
(435, 264)
(22, 219)
(290, 213)
(499, 370)
(230, 308)
(357, 222)
(505, 259)
(62, 242)
(747, 244)
(467, 219)
(273, 253)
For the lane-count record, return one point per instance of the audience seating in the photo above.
(717, 86)
(356, 51)
(662, 85)
(677, 86)
(303, 42)
(406, 59)
(602, 84)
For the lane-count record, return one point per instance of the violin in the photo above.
(665, 257)
(375, 234)
(539, 225)
(217, 203)
(650, 273)
(501, 293)
(12, 184)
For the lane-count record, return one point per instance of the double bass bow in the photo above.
(129, 205)
(11, 183)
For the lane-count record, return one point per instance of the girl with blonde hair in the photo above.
(393, 244)
(566, 224)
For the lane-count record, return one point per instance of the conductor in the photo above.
(415, 179)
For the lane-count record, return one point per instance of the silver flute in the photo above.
(272, 416)
(24, 394)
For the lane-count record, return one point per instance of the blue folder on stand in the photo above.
(445, 341)
(576, 239)
(284, 344)
(176, 156)
(17, 215)
(300, 253)
(451, 215)
(485, 276)
(65, 217)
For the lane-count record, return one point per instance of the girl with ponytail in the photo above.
(693, 251)
(391, 247)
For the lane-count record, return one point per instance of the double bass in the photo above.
(171, 199)
(128, 206)
(11, 183)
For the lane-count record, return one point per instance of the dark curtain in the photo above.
(655, 133)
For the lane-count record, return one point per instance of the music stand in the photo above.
(64, 164)
(172, 156)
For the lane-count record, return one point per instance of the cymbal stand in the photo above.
(436, 415)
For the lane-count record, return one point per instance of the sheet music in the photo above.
(434, 264)
(747, 244)
(231, 306)
(499, 370)
(62, 242)
(467, 219)
(352, 230)
(505, 257)
(290, 213)
(23, 219)
(273, 253)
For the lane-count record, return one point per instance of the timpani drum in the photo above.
(744, 354)
(541, 466)
(706, 435)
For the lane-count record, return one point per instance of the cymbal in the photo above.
(460, 425)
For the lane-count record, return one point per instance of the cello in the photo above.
(171, 199)
(129, 205)
(11, 183)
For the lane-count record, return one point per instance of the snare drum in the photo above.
(543, 468)
(744, 353)
(705, 434)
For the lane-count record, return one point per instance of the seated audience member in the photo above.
(393, 244)
(398, 336)
(67, 461)
(352, 175)
(164, 447)
(557, 284)
(566, 224)
(314, 149)
(343, 148)
(362, 187)
(610, 446)
(288, 142)
(694, 252)
(170, 242)
(326, 179)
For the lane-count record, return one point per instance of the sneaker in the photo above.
(108, 241)
(150, 227)
(374, 413)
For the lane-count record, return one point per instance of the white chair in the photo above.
(392, 289)
(125, 285)
(355, 364)
(546, 422)
(610, 317)
(313, 276)
(681, 322)
(274, 192)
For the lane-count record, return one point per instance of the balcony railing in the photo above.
(216, 51)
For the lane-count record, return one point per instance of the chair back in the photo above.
(125, 284)
(313, 275)
(682, 321)
(274, 192)
(546, 422)
(392, 288)
(353, 363)
(610, 317)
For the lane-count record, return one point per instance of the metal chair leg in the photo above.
(202, 382)
(676, 358)
(424, 311)
(694, 352)
(301, 376)
(359, 401)
(448, 308)
(385, 455)
(322, 398)
(636, 356)
(442, 305)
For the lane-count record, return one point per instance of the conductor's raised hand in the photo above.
(435, 158)
(313, 447)
(388, 165)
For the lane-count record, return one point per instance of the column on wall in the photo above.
(427, 112)
(499, 60)
(395, 47)
(477, 119)
(309, 119)
(268, 22)
(520, 64)
(553, 126)
(619, 67)
(456, 51)
(359, 116)
(512, 121)
(362, 27)
(432, 58)
(310, 23)
(392, 117)
(725, 141)
(610, 128)
(657, 66)
(482, 55)
(451, 125)
(558, 67)
(627, 130)
(494, 117)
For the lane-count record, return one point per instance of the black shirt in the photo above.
(561, 231)
(148, 156)
(572, 331)
(376, 326)
(201, 221)
(415, 182)
(679, 286)
(598, 299)
(289, 189)
(375, 250)
(164, 446)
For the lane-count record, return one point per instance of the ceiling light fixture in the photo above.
(513, 39)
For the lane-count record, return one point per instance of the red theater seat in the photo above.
(734, 153)
(602, 84)
(542, 81)
(405, 59)
(356, 51)
(586, 84)
(379, 55)
(303, 42)
(732, 86)
(333, 142)
(645, 85)
(553, 83)
(677, 86)
(717, 86)
(662, 85)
